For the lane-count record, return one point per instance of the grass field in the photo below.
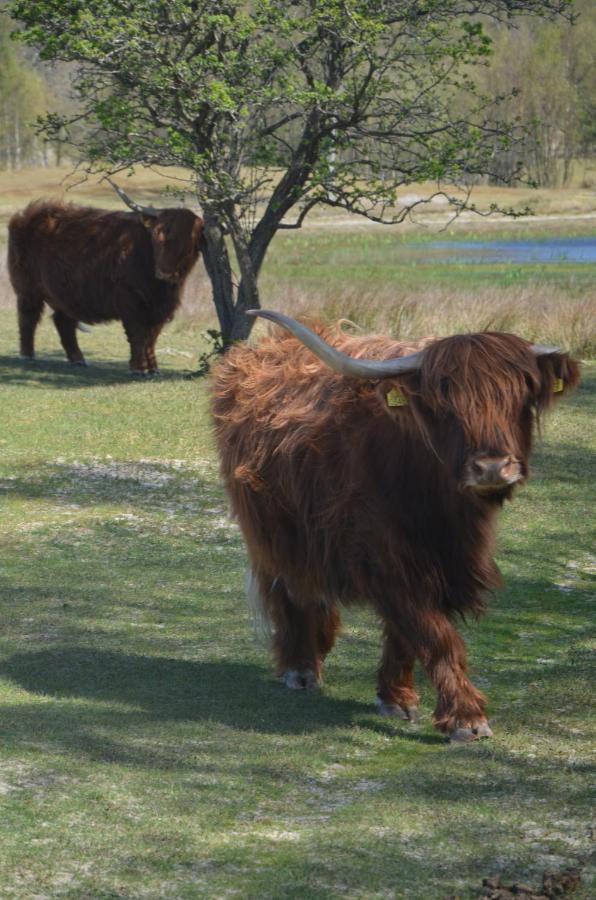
(146, 751)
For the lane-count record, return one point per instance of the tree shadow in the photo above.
(555, 463)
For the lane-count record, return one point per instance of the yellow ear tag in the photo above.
(558, 385)
(396, 398)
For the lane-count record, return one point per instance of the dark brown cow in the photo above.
(367, 475)
(92, 265)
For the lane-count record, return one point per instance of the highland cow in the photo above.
(92, 265)
(365, 470)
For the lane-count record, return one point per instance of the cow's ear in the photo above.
(148, 221)
(559, 373)
(393, 395)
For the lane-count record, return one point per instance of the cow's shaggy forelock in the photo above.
(176, 237)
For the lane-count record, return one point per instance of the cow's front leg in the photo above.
(395, 687)
(303, 634)
(150, 350)
(137, 338)
(460, 709)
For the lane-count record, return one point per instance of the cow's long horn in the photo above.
(544, 349)
(144, 210)
(335, 359)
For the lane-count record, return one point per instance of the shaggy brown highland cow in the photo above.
(92, 265)
(365, 470)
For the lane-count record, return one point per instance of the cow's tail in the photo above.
(257, 609)
(81, 326)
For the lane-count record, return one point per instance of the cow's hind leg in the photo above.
(30, 308)
(67, 331)
(460, 709)
(396, 695)
(303, 634)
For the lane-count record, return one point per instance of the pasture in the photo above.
(146, 750)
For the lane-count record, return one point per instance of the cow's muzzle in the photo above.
(490, 474)
(170, 277)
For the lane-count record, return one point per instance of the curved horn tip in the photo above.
(545, 349)
(272, 315)
(336, 359)
(132, 204)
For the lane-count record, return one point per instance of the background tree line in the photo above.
(29, 89)
(549, 73)
(546, 70)
(23, 97)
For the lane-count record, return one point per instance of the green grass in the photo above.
(146, 749)
(373, 262)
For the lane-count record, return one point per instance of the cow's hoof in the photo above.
(78, 362)
(154, 373)
(139, 373)
(466, 734)
(407, 713)
(301, 680)
(25, 358)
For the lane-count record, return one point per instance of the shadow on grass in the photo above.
(561, 462)
(52, 370)
(532, 619)
(161, 690)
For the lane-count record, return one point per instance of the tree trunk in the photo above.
(230, 306)
(248, 292)
(231, 301)
(217, 264)
(17, 141)
(248, 298)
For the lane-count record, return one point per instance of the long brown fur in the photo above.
(93, 265)
(343, 499)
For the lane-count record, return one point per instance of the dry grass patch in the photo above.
(547, 316)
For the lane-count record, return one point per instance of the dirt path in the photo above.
(442, 219)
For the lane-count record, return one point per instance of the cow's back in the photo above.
(304, 457)
(277, 401)
(78, 258)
